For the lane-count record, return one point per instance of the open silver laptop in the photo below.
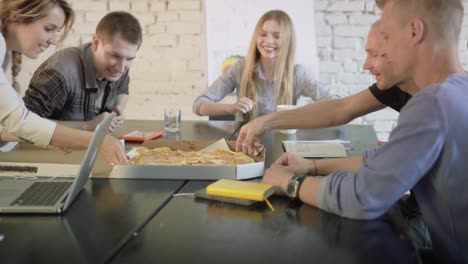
(55, 196)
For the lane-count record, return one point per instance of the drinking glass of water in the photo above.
(172, 119)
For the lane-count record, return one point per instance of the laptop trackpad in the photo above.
(11, 189)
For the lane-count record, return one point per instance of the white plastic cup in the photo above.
(172, 119)
(283, 108)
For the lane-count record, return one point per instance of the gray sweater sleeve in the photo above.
(306, 85)
(225, 84)
(391, 170)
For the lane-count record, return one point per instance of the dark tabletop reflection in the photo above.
(376, 241)
(362, 138)
(189, 130)
(75, 237)
(103, 217)
(190, 230)
(106, 215)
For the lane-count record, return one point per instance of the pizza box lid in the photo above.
(177, 172)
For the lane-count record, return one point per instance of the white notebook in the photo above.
(315, 149)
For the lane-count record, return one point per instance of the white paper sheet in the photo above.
(338, 141)
(220, 144)
(314, 149)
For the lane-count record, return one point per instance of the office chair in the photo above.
(222, 118)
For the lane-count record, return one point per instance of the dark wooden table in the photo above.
(103, 217)
(189, 130)
(201, 231)
(189, 230)
(361, 138)
(139, 221)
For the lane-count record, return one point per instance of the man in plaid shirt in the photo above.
(86, 83)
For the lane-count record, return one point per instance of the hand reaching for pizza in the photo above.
(118, 119)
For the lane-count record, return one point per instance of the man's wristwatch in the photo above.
(293, 186)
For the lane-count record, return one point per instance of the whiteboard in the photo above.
(230, 25)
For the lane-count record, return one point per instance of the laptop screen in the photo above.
(90, 157)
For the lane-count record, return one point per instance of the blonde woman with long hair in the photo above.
(267, 77)
(29, 27)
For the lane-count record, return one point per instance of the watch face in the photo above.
(292, 188)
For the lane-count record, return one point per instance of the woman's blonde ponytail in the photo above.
(15, 70)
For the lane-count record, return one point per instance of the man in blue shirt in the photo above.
(427, 150)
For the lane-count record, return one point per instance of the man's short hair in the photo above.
(445, 16)
(121, 24)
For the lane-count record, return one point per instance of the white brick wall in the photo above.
(342, 27)
(170, 67)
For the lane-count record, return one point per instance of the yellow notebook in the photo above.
(242, 190)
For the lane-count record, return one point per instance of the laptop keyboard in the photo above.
(42, 194)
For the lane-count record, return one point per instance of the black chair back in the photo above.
(222, 118)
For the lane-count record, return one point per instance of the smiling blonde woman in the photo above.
(267, 77)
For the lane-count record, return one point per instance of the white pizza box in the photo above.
(179, 172)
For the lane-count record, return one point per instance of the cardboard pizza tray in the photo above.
(177, 172)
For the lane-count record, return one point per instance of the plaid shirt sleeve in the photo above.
(47, 93)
